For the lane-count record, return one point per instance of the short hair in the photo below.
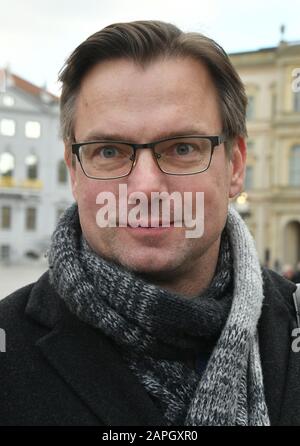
(144, 42)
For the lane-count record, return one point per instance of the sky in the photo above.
(37, 36)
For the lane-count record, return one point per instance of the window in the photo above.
(5, 252)
(62, 172)
(7, 127)
(8, 101)
(31, 219)
(273, 104)
(32, 129)
(31, 162)
(296, 90)
(6, 217)
(249, 178)
(251, 107)
(295, 166)
(7, 164)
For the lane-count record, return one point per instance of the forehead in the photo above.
(146, 102)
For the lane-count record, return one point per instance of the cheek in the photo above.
(88, 194)
(215, 186)
(88, 189)
(86, 199)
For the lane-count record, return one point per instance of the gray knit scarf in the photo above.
(161, 334)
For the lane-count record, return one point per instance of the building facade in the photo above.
(271, 200)
(34, 183)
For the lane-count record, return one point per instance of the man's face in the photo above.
(169, 97)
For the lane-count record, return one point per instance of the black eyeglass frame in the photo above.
(215, 140)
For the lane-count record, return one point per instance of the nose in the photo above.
(145, 175)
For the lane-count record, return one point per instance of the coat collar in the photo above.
(89, 363)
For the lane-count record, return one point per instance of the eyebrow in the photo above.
(99, 136)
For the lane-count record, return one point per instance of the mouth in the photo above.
(150, 230)
(150, 234)
(152, 225)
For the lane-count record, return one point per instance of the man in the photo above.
(140, 324)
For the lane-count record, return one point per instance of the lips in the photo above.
(152, 225)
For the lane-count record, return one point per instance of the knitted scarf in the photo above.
(160, 334)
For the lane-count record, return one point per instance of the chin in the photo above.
(155, 266)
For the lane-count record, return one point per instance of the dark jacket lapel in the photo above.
(89, 363)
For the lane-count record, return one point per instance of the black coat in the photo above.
(58, 370)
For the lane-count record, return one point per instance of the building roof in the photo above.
(260, 50)
(27, 86)
(267, 49)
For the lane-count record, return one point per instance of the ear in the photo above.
(71, 165)
(238, 164)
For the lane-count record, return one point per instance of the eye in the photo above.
(183, 149)
(108, 152)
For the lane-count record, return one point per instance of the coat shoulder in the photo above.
(15, 303)
(15, 316)
(278, 291)
(12, 310)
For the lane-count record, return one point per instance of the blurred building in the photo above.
(271, 201)
(34, 185)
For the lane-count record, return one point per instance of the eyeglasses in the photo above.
(180, 155)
